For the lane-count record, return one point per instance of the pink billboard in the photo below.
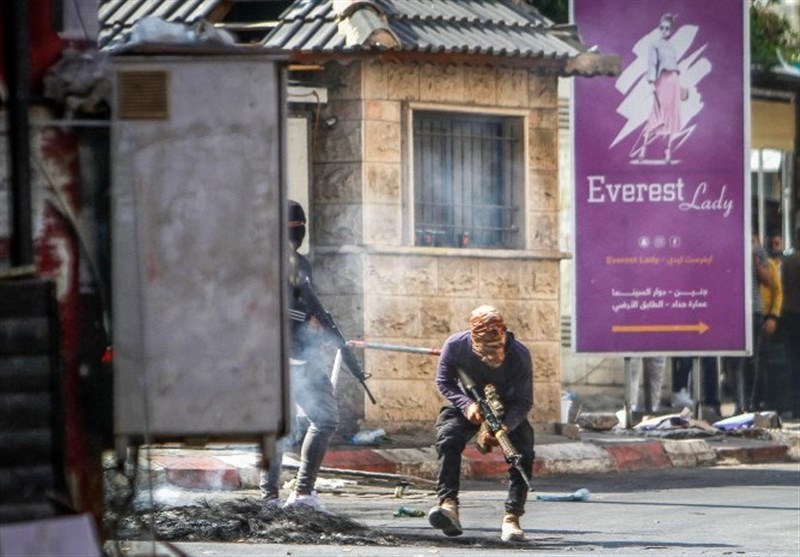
(661, 200)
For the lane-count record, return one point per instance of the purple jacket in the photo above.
(513, 379)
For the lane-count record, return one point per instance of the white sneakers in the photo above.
(311, 500)
(681, 399)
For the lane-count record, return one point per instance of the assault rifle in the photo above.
(316, 309)
(492, 420)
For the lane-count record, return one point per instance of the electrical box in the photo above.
(198, 236)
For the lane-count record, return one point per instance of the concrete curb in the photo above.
(229, 469)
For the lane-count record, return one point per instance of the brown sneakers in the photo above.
(445, 518)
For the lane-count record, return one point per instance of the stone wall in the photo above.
(377, 285)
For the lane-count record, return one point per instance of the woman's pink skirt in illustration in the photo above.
(665, 115)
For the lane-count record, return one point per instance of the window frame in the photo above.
(520, 185)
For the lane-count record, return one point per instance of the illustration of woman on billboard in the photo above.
(663, 75)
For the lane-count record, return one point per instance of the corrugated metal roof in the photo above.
(510, 29)
(117, 17)
(486, 27)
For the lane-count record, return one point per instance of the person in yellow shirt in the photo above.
(764, 391)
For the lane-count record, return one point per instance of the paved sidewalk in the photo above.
(230, 467)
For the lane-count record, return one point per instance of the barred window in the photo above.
(468, 180)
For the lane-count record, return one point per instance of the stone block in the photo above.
(336, 224)
(338, 273)
(402, 81)
(543, 149)
(538, 279)
(349, 76)
(519, 316)
(499, 279)
(512, 87)
(546, 402)
(458, 276)
(338, 182)
(379, 110)
(395, 316)
(382, 183)
(542, 91)
(689, 452)
(409, 398)
(435, 317)
(383, 224)
(545, 357)
(348, 313)
(480, 85)
(570, 431)
(349, 109)
(543, 231)
(341, 143)
(441, 83)
(644, 455)
(373, 80)
(461, 308)
(423, 366)
(397, 275)
(547, 321)
(597, 421)
(543, 118)
(417, 462)
(385, 364)
(535, 320)
(382, 141)
(543, 190)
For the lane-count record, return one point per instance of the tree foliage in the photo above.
(771, 33)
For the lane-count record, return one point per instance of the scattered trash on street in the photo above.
(368, 437)
(406, 511)
(580, 495)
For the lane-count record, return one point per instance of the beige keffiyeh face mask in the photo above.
(488, 334)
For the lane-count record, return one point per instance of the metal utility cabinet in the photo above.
(198, 260)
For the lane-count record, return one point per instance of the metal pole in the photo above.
(696, 388)
(628, 412)
(16, 45)
(394, 347)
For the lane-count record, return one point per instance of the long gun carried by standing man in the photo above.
(316, 309)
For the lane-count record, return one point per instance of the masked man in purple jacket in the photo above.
(489, 354)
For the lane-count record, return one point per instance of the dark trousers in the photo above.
(453, 431)
(709, 376)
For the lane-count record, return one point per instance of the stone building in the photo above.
(434, 181)
(423, 141)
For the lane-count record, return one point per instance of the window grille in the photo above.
(468, 178)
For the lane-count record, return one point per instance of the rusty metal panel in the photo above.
(198, 265)
(142, 95)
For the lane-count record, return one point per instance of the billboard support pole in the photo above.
(628, 411)
(696, 388)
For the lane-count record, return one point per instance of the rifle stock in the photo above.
(316, 309)
(494, 425)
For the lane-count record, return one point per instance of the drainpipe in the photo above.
(17, 63)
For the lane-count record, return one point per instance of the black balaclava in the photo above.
(297, 224)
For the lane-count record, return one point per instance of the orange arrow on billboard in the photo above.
(698, 328)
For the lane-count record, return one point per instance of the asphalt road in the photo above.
(743, 510)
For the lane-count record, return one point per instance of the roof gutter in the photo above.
(584, 64)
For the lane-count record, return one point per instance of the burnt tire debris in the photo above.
(250, 520)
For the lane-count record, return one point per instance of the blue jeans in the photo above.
(315, 403)
(453, 431)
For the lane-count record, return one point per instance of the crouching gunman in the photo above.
(487, 354)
